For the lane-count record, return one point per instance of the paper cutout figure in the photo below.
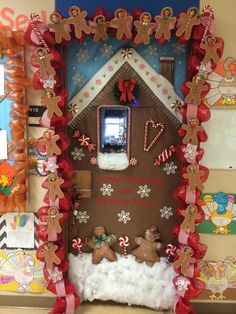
(49, 140)
(99, 28)
(194, 177)
(190, 216)
(184, 259)
(49, 256)
(192, 129)
(53, 220)
(210, 46)
(51, 102)
(123, 23)
(53, 184)
(43, 59)
(165, 22)
(144, 28)
(188, 21)
(196, 88)
(148, 247)
(78, 20)
(101, 245)
(60, 27)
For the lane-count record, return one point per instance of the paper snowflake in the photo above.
(48, 82)
(179, 49)
(190, 151)
(133, 161)
(82, 55)
(124, 216)
(182, 283)
(166, 212)
(82, 216)
(93, 161)
(170, 168)
(151, 52)
(204, 69)
(50, 165)
(78, 79)
(106, 189)
(55, 275)
(143, 191)
(78, 153)
(106, 50)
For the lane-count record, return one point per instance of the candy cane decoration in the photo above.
(207, 9)
(167, 153)
(34, 17)
(77, 244)
(124, 242)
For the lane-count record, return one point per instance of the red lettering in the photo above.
(20, 21)
(127, 190)
(7, 18)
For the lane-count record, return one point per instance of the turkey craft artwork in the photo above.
(220, 213)
(218, 277)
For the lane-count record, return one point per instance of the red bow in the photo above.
(126, 88)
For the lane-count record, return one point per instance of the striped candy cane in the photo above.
(35, 17)
(209, 10)
(167, 153)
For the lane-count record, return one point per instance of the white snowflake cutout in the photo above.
(151, 52)
(124, 216)
(78, 79)
(82, 216)
(78, 153)
(166, 212)
(143, 191)
(50, 165)
(182, 283)
(82, 55)
(106, 189)
(48, 82)
(190, 151)
(204, 69)
(170, 168)
(106, 50)
(55, 274)
(179, 49)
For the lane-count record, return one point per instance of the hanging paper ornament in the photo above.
(124, 242)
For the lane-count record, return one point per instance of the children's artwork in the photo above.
(21, 272)
(17, 231)
(219, 278)
(223, 84)
(3, 147)
(220, 213)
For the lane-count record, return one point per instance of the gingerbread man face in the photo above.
(99, 231)
(50, 94)
(193, 12)
(188, 251)
(100, 19)
(145, 18)
(74, 11)
(52, 212)
(193, 122)
(48, 135)
(55, 17)
(191, 209)
(120, 13)
(210, 40)
(192, 168)
(152, 234)
(167, 12)
(41, 52)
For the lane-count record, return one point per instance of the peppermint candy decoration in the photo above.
(77, 244)
(170, 251)
(124, 242)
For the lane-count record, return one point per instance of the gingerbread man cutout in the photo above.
(144, 28)
(51, 102)
(194, 177)
(147, 250)
(43, 59)
(165, 22)
(101, 245)
(192, 128)
(52, 220)
(123, 23)
(185, 259)
(196, 87)
(210, 47)
(188, 21)
(53, 184)
(99, 28)
(49, 140)
(59, 26)
(78, 20)
(48, 253)
(190, 215)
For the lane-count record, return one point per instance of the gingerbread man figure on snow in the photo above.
(51, 102)
(196, 88)
(210, 47)
(123, 23)
(99, 28)
(49, 256)
(192, 128)
(52, 220)
(101, 245)
(188, 21)
(59, 26)
(43, 59)
(49, 140)
(190, 215)
(165, 22)
(53, 184)
(185, 259)
(78, 20)
(144, 28)
(194, 177)
(147, 250)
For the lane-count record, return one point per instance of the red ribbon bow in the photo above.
(126, 88)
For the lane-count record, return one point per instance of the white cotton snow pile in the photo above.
(124, 281)
(113, 161)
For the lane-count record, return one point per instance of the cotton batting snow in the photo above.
(113, 161)
(124, 281)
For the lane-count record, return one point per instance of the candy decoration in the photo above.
(207, 9)
(124, 242)
(146, 146)
(167, 153)
(170, 251)
(77, 244)
(35, 17)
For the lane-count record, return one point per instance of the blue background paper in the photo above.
(153, 6)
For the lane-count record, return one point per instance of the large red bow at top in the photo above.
(126, 88)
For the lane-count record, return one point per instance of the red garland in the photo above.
(192, 285)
